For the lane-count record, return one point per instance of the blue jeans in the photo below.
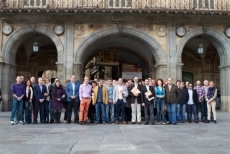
(50, 109)
(100, 107)
(110, 110)
(160, 108)
(172, 112)
(28, 116)
(120, 105)
(17, 106)
(181, 112)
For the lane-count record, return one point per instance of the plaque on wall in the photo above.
(181, 31)
(227, 32)
(7, 29)
(58, 29)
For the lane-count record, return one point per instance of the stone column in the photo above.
(224, 79)
(7, 78)
(179, 71)
(78, 71)
(68, 48)
(60, 72)
(161, 71)
(172, 59)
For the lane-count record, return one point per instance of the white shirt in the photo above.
(135, 85)
(147, 87)
(120, 94)
(190, 100)
(73, 86)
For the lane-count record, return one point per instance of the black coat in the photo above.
(194, 96)
(143, 97)
(131, 95)
(183, 96)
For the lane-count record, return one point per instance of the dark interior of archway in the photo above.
(126, 55)
(200, 66)
(31, 63)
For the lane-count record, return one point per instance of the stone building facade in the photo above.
(162, 35)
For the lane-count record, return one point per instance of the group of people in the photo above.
(112, 101)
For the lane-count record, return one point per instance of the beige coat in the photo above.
(104, 95)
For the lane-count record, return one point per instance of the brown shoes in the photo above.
(116, 122)
(139, 123)
(130, 122)
(124, 122)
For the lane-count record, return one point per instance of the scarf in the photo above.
(211, 92)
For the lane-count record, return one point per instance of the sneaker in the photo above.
(16, 122)
(12, 122)
(164, 123)
(20, 123)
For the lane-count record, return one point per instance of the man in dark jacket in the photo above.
(191, 104)
(182, 101)
(147, 98)
(171, 95)
(40, 93)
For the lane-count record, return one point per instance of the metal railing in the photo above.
(218, 5)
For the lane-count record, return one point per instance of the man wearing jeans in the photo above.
(18, 92)
(135, 99)
(100, 99)
(110, 106)
(191, 104)
(171, 95)
(119, 98)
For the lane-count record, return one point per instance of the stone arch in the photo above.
(18, 36)
(151, 43)
(222, 45)
(217, 38)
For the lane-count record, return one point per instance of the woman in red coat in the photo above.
(58, 97)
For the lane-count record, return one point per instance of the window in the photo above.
(204, 4)
(120, 3)
(34, 3)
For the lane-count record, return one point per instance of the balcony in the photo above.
(124, 5)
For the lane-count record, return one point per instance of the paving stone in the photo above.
(115, 139)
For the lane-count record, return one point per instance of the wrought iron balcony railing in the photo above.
(194, 5)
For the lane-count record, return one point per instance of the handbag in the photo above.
(0, 98)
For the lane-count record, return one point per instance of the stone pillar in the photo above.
(172, 59)
(78, 71)
(60, 72)
(68, 48)
(179, 71)
(161, 71)
(7, 78)
(224, 79)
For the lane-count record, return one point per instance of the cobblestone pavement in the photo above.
(118, 139)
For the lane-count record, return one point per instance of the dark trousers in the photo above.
(75, 105)
(39, 107)
(120, 105)
(127, 114)
(200, 107)
(149, 110)
(28, 116)
(192, 110)
(46, 109)
(91, 112)
(205, 109)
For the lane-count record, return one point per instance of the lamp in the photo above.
(36, 47)
(200, 48)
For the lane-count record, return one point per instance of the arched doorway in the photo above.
(29, 63)
(19, 41)
(212, 64)
(128, 42)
